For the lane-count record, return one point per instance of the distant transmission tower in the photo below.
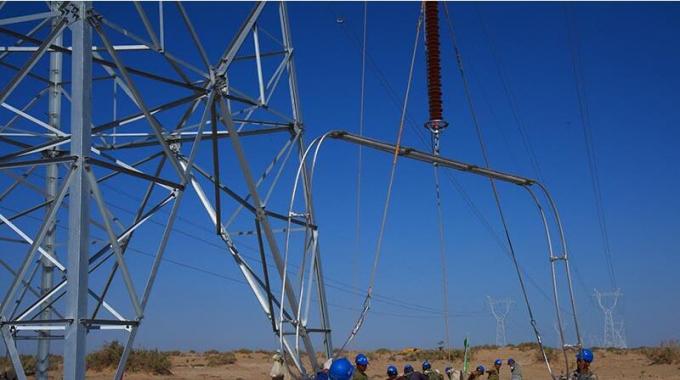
(500, 308)
(614, 334)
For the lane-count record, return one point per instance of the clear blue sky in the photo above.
(629, 59)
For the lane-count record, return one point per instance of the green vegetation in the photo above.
(149, 361)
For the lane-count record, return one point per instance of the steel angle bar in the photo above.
(125, 165)
(258, 61)
(25, 108)
(41, 299)
(106, 305)
(174, 138)
(31, 32)
(244, 203)
(26, 18)
(11, 348)
(275, 230)
(16, 68)
(106, 216)
(12, 240)
(30, 49)
(128, 231)
(216, 167)
(312, 268)
(134, 173)
(155, 125)
(261, 215)
(9, 88)
(104, 62)
(235, 45)
(22, 179)
(33, 119)
(415, 154)
(29, 210)
(16, 183)
(13, 142)
(292, 76)
(256, 285)
(28, 240)
(194, 35)
(151, 280)
(51, 214)
(265, 270)
(172, 59)
(284, 150)
(20, 300)
(140, 115)
(262, 55)
(147, 24)
(35, 149)
(134, 165)
(138, 217)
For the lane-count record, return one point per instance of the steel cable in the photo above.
(497, 200)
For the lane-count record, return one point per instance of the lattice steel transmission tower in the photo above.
(500, 308)
(110, 116)
(614, 333)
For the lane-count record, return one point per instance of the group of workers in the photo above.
(342, 369)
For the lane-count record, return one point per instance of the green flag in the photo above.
(465, 356)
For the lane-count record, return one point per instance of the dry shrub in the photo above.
(550, 353)
(420, 355)
(666, 353)
(27, 361)
(528, 346)
(149, 361)
(221, 358)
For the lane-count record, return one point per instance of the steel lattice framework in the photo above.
(189, 120)
(224, 126)
(614, 333)
(500, 308)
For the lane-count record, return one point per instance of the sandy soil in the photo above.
(608, 366)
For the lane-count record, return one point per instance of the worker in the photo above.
(323, 374)
(495, 371)
(515, 370)
(362, 364)
(477, 373)
(411, 374)
(278, 371)
(392, 372)
(583, 359)
(453, 374)
(341, 369)
(429, 373)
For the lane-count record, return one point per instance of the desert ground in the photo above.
(609, 364)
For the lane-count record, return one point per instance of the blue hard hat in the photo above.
(426, 365)
(510, 361)
(481, 369)
(585, 354)
(448, 369)
(498, 362)
(341, 369)
(392, 371)
(361, 359)
(408, 368)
